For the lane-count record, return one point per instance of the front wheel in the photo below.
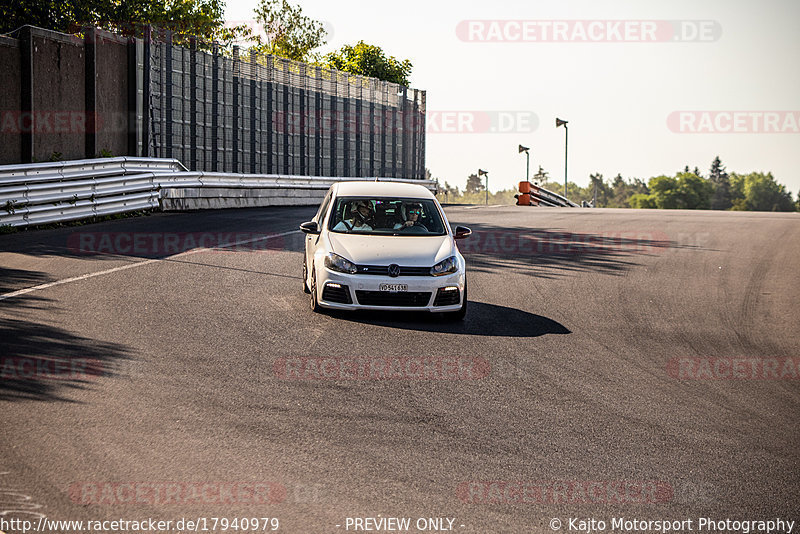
(315, 307)
(305, 276)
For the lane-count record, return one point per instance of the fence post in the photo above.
(215, 107)
(235, 130)
(422, 136)
(404, 149)
(193, 102)
(253, 114)
(133, 112)
(318, 121)
(302, 126)
(26, 93)
(168, 97)
(270, 114)
(286, 125)
(357, 124)
(345, 126)
(146, 104)
(90, 91)
(334, 80)
(372, 128)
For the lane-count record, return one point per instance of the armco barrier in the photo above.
(43, 193)
(534, 195)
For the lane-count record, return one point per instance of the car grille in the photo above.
(383, 270)
(447, 298)
(337, 294)
(387, 298)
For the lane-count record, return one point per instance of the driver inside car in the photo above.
(361, 213)
(411, 214)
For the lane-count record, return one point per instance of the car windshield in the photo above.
(386, 216)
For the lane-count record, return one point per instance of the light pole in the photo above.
(527, 161)
(560, 122)
(481, 172)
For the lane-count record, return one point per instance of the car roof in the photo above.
(382, 189)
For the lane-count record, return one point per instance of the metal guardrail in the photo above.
(43, 193)
(533, 194)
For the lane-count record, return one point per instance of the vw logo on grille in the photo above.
(394, 270)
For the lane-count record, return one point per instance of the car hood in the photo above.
(411, 251)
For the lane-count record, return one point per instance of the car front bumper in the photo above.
(368, 288)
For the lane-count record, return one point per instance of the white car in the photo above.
(384, 246)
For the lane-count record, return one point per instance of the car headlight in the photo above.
(448, 266)
(334, 262)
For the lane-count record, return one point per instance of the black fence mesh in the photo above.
(249, 113)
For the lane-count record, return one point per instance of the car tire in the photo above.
(462, 312)
(315, 307)
(305, 276)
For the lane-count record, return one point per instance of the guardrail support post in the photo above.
(26, 94)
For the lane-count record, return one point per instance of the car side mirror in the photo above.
(310, 227)
(462, 232)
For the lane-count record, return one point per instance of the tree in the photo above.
(694, 192)
(541, 175)
(289, 33)
(684, 191)
(370, 60)
(474, 184)
(665, 192)
(642, 201)
(202, 18)
(759, 192)
(721, 198)
(603, 193)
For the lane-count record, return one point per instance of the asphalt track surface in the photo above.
(576, 321)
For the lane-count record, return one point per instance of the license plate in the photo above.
(394, 287)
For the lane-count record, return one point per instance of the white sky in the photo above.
(616, 96)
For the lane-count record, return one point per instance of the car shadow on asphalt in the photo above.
(482, 319)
